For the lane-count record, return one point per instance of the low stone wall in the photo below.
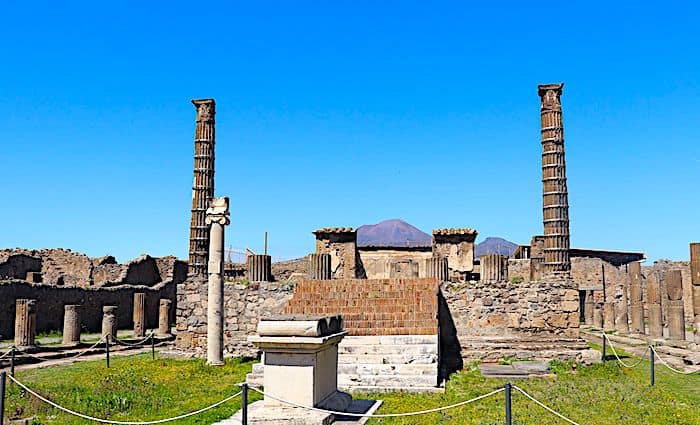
(244, 304)
(51, 299)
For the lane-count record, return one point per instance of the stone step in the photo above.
(389, 381)
(387, 369)
(387, 359)
(416, 349)
(384, 389)
(389, 340)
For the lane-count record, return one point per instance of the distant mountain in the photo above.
(493, 245)
(392, 233)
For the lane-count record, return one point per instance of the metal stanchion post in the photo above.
(153, 346)
(12, 363)
(244, 404)
(604, 346)
(107, 348)
(3, 378)
(651, 359)
(508, 405)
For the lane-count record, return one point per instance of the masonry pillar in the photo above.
(636, 307)
(609, 315)
(656, 327)
(109, 320)
(71, 325)
(536, 258)
(341, 244)
(203, 186)
(319, 266)
(217, 218)
(164, 318)
(457, 246)
(621, 315)
(437, 267)
(494, 268)
(555, 203)
(588, 308)
(259, 267)
(695, 280)
(139, 315)
(598, 315)
(25, 324)
(676, 311)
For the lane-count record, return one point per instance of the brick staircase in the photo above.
(392, 326)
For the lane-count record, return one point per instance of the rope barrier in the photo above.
(618, 357)
(8, 353)
(110, 421)
(678, 371)
(386, 415)
(41, 359)
(544, 406)
(135, 344)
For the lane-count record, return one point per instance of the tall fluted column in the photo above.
(494, 268)
(164, 317)
(203, 187)
(676, 310)
(217, 218)
(71, 325)
(109, 320)
(636, 307)
(25, 324)
(259, 267)
(320, 266)
(656, 327)
(438, 268)
(695, 280)
(139, 315)
(555, 198)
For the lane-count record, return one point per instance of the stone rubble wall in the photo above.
(244, 305)
(63, 267)
(661, 268)
(506, 309)
(51, 300)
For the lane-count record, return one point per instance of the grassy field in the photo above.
(138, 388)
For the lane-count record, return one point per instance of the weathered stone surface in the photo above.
(457, 245)
(636, 307)
(494, 268)
(319, 266)
(438, 268)
(259, 267)
(608, 316)
(164, 318)
(25, 324)
(341, 244)
(109, 320)
(71, 325)
(139, 315)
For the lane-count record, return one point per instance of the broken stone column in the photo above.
(71, 325)
(621, 316)
(217, 218)
(695, 280)
(319, 266)
(555, 195)
(588, 308)
(636, 307)
(437, 267)
(109, 320)
(598, 315)
(139, 315)
(676, 310)
(164, 317)
(203, 186)
(259, 267)
(656, 326)
(608, 315)
(494, 268)
(25, 324)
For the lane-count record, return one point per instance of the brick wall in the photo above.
(372, 306)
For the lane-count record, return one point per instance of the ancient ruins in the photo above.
(411, 312)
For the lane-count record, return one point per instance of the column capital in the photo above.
(206, 109)
(218, 211)
(551, 95)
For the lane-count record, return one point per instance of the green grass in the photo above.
(138, 388)
(135, 388)
(602, 394)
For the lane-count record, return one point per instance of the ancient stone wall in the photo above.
(341, 244)
(16, 266)
(519, 269)
(506, 309)
(661, 268)
(457, 245)
(388, 263)
(51, 300)
(244, 304)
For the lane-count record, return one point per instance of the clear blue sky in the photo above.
(346, 113)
